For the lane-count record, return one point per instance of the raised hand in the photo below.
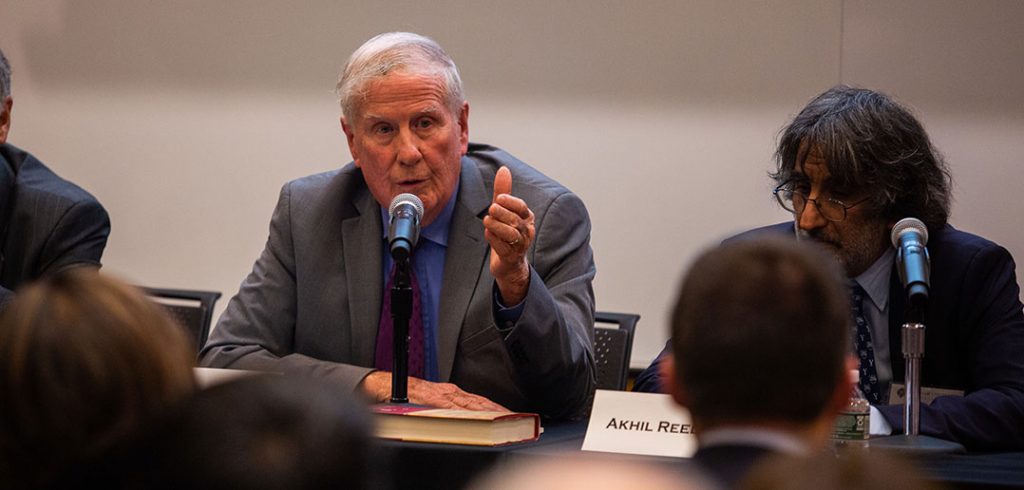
(509, 229)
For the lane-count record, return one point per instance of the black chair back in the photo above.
(193, 310)
(613, 346)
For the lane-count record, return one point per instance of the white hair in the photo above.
(396, 51)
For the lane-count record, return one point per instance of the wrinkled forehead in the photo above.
(418, 82)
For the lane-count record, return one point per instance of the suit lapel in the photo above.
(362, 236)
(464, 262)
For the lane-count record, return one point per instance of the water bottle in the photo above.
(852, 426)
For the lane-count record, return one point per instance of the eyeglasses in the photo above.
(796, 201)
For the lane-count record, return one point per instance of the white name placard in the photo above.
(639, 423)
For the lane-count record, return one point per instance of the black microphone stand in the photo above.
(401, 311)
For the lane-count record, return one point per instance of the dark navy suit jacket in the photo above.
(974, 342)
(46, 223)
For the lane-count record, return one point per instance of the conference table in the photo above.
(447, 466)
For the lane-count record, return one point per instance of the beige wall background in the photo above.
(185, 117)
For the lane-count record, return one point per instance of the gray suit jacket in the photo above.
(313, 300)
(46, 223)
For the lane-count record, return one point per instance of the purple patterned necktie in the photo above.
(386, 330)
(865, 348)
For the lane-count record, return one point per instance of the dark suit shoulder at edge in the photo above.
(952, 237)
(34, 180)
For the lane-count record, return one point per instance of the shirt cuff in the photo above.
(505, 316)
(878, 425)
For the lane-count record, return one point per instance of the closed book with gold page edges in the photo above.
(426, 424)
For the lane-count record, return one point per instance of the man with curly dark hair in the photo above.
(851, 164)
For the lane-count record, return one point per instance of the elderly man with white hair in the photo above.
(503, 303)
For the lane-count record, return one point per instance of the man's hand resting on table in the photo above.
(421, 392)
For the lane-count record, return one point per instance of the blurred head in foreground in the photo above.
(589, 472)
(267, 431)
(86, 363)
(759, 337)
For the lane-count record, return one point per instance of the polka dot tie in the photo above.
(864, 347)
(386, 330)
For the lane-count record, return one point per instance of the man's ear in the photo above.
(350, 138)
(5, 117)
(671, 384)
(464, 127)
